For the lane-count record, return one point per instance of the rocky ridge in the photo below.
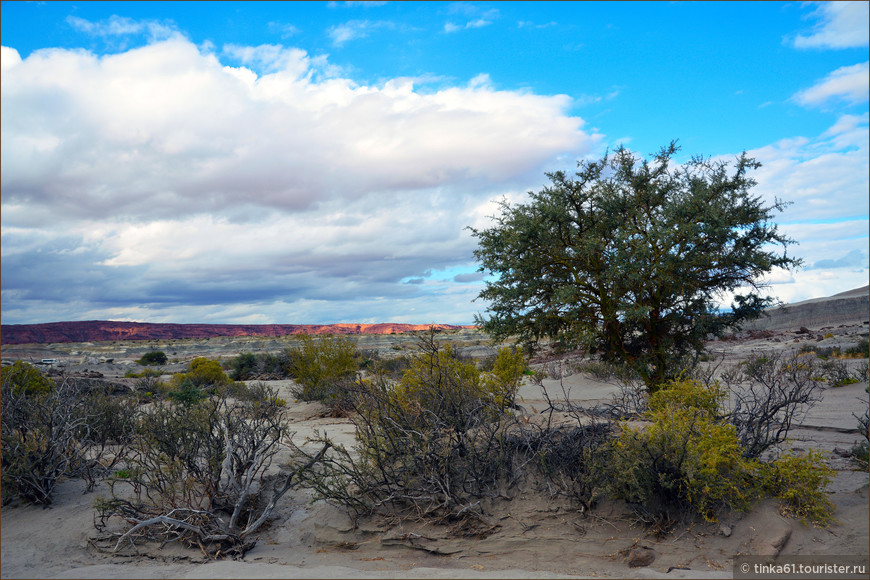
(105, 330)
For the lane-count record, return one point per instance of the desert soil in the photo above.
(534, 537)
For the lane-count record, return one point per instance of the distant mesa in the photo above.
(105, 330)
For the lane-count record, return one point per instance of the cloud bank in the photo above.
(254, 177)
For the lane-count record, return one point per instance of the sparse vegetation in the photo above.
(770, 394)
(685, 458)
(628, 258)
(197, 470)
(324, 370)
(155, 357)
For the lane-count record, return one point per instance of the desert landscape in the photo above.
(532, 536)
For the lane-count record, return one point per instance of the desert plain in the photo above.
(533, 536)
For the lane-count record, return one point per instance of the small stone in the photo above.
(725, 530)
(639, 557)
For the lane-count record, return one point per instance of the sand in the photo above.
(535, 537)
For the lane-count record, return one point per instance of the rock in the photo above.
(639, 557)
(772, 537)
(725, 530)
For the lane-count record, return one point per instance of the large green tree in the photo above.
(629, 257)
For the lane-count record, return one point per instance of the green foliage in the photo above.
(186, 393)
(629, 258)
(452, 388)
(24, 378)
(860, 350)
(434, 443)
(836, 373)
(324, 369)
(684, 457)
(203, 377)
(799, 481)
(155, 357)
(201, 373)
(247, 366)
(243, 366)
(503, 381)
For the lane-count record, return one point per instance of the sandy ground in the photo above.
(535, 538)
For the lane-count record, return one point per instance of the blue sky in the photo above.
(316, 162)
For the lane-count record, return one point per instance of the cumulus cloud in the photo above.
(848, 83)
(839, 25)
(251, 180)
(165, 122)
(825, 177)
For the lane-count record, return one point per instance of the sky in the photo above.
(321, 162)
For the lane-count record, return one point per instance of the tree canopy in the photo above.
(629, 257)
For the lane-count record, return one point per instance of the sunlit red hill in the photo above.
(103, 330)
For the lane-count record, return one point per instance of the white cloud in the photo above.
(826, 177)
(476, 23)
(473, 16)
(354, 29)
(270, 58)
(284, 29)
(122, 26)
(167, 122)
(840, 25)
(848, 83)
(9, 57)
(171, 179)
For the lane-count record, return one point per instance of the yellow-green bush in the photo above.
(431, 445)
(687, 456)
(684, 457)
(323, 369)
(504, 380)
(23, 378)
(439, 381)
(202, 373)
(799, 481)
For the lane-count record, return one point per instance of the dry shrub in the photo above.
(432, 446)
(197, 472)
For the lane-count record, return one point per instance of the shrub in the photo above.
(197, 472)
(392, 367)
(799, 481)
(154, 357)
(24, 378)
(39, 437)
(147, 373)
(243, 366)
(860, 350)
(323, 370)
(836, 373)
(769, 394)
(432, 445)
(415, 460)
(503, 380)
(685, 457)
(106, 432)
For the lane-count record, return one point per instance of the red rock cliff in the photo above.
(103, 330)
